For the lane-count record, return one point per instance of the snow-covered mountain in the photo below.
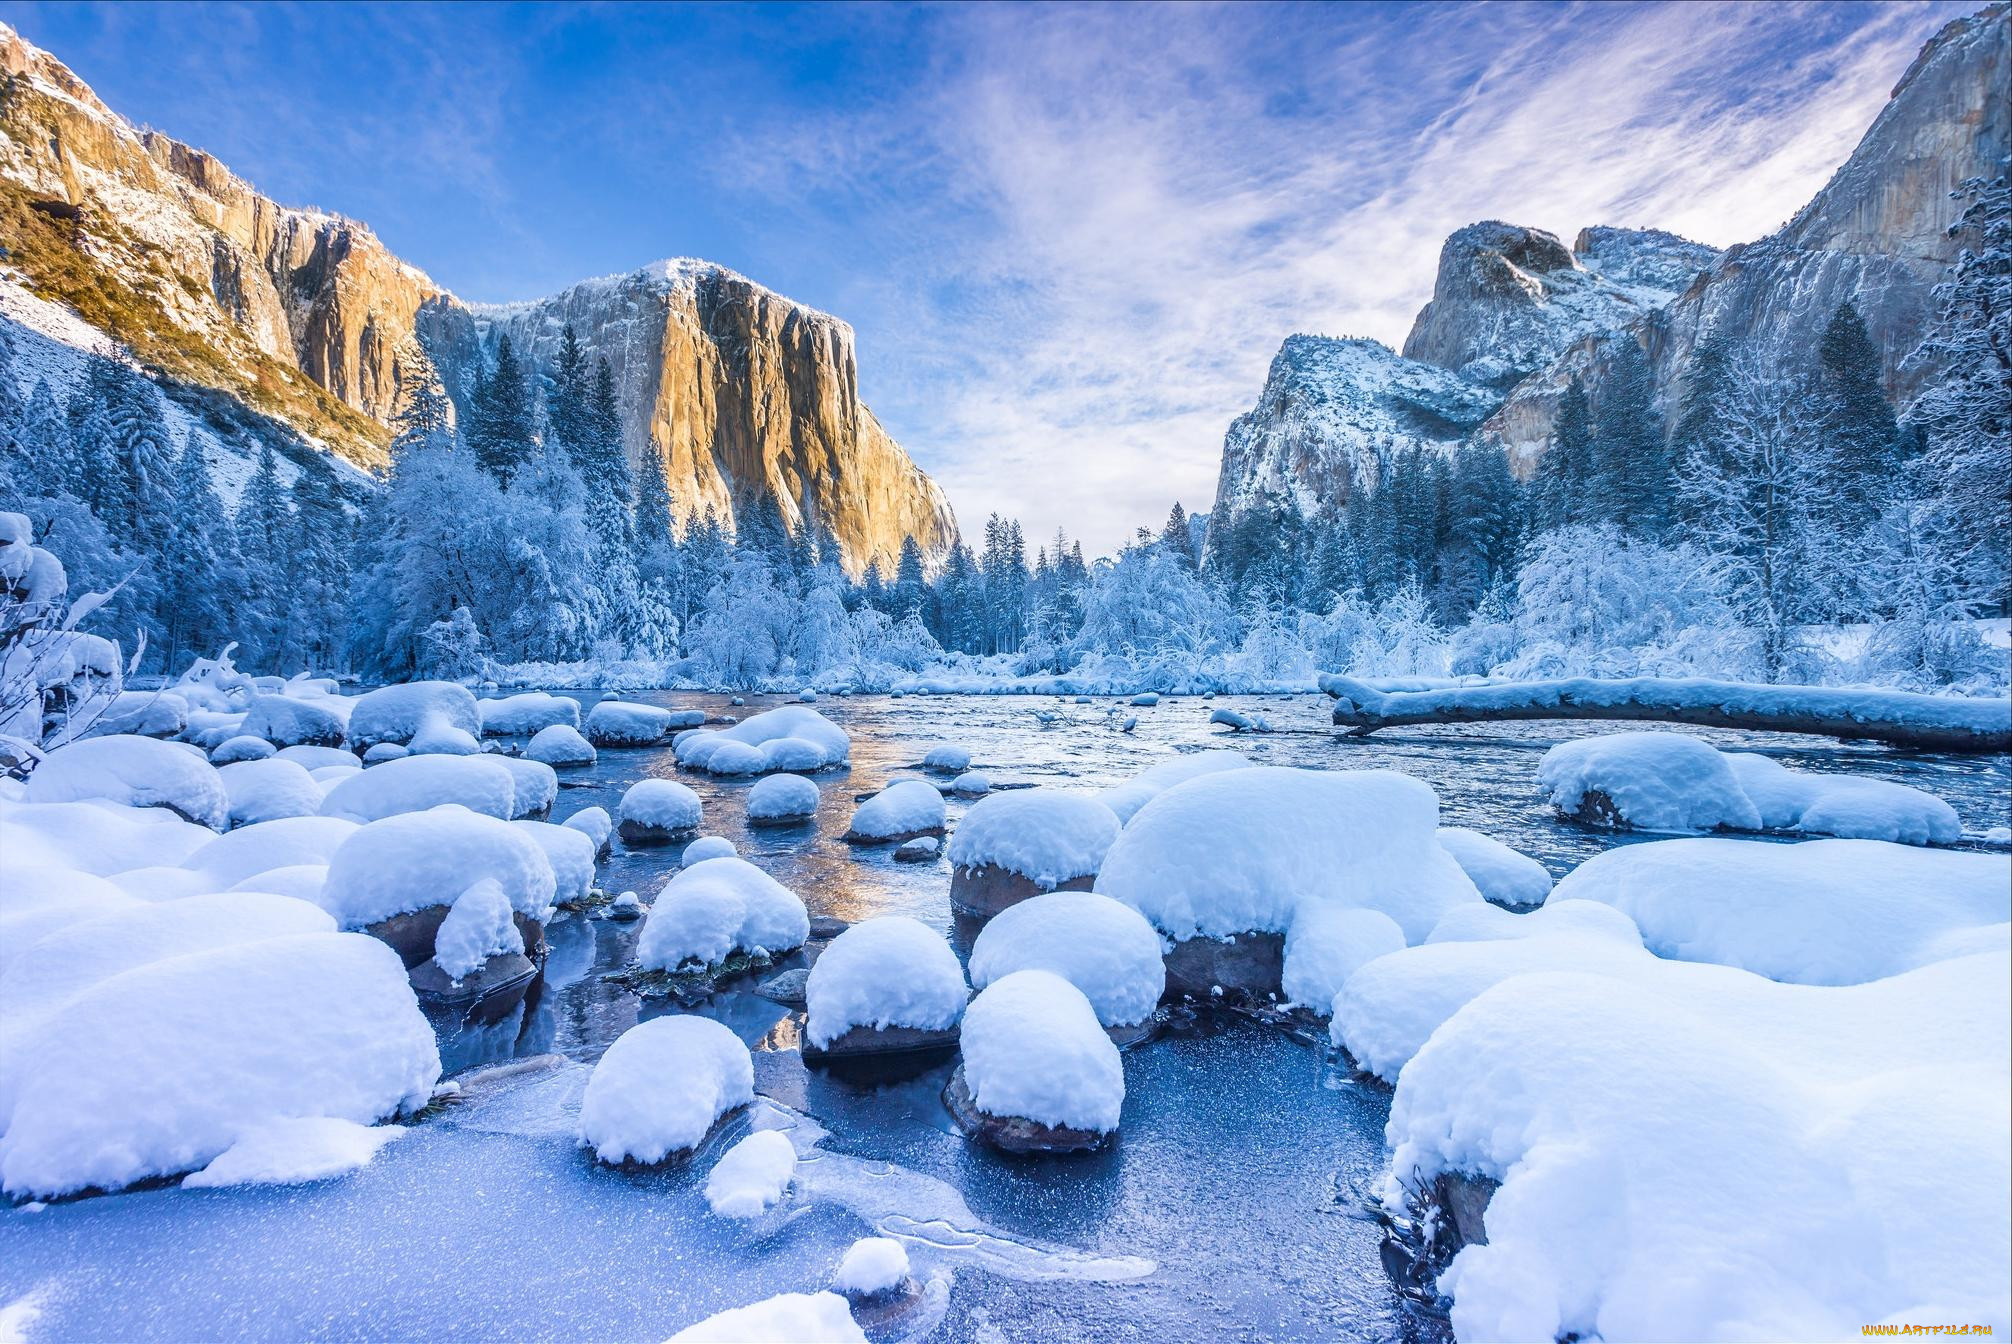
(1515, 315)
(307, 319)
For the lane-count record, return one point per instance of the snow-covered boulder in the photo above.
(1104, 949)
(1389, 1008)
(560, 744)
(301, 881)
(1783, 1178)
(596, 825)
(707, 847)
(712, 910)
(417, 783)
(395, 751)
(477, 926)
(141, 713)
(1038, 1074)
(161, 883)
(658, 811)
(901, 811)
(571, 852)
(418, 863)
(1504, 876)
(207, 728)
(1127, 798)
(439, 738)
(268, 790)
(780, 800)
(790, 721)
(801, 1318)
(312, 758)
(285, 842)
(661, 1087)
(971, 784)
(1842, 805)
(399, 713)
(290, 721)
(1011, 846)
(752, 1176)
(872, 1267)
(1146, 699)
(242, 748)
(885, 985)
(947, 759)
(97, 836)
(1823, 912)
(531, 712)
(793, 753)
(160, 1069)
(1326, 945)
(134, 771)
(534, 787)
(1646, 782)
(619, 723)
(922, 849)
(736, 758)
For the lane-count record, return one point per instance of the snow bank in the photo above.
(751, 1177)
(618, 723)
(295, 1151)
(416, 783)
(1050, 836)
(1104, 949)
(1034, 1049)
(398, 713)
(661, 1087)
(801, 1318)
(1127, 798)
(1243, 850)
(888, 971)
(162, 1068)
(1503, 875)
(420, 859)
(289, 721)
(662, 805)
(284, 843)
(790, 721)
(269, 790)
(782, 798)
(134, 771)
(1783, 1176)
(711, 910)
(1648, 782)
(1823, 912)
(560, 744)
(1326, 945)
(904, 808)
(532, 712)
(870, 1267)
(707, 847)
(1842, 805)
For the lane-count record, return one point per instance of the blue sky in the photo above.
(1070, 238)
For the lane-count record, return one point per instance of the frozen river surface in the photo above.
(1229, 1210)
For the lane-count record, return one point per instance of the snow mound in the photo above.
(162, 884)
(294, 1152)
(560, 744)
(1822, 912)
(793, 753)
(790, 721)
(302, 881)
(532, 712)
(160, 1069)
(751, 1177)
(736, 758)
(97, 837)
(1050, 836)
(1127, 798)
(870, 1267)
(316, 758)
(801, 1318)
(618, 723)
(420, 859)
(947, 759)
(1782, 1177)
(478, 926)
(534, 785)
(707, 847)
(971, 784)
(1106, 950)
(416, 783)
(1503, 875)
(662, 804)
(1244, 850)
(1648, 782)
(905, 807)
(595, 824)
(570, 851)
(399, 713)
(661, 1087)
(284, 843)
(286, 721)
(134, 771)
(782, 797)
(395, 751)
(1841, 805)
(1389, 1008)
(1033, 1049)
(888, 971)
(713, 909)
(269, 790)
(1329, 943)
(435, 738)
(242, 748)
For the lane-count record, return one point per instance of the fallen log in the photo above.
(1900, 718)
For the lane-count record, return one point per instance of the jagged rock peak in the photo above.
(1654, 263)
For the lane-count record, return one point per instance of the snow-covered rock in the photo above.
(654, 811)
(661, 1087)
(707, 847)
(242, 748)
(137, 772)
(478, 926)
(947, 759)
(399, 713)
(871, 1267)
(290, 721)
(268, 790)
(97, 836)
(792, 753)
(801, 1318)
(1326, 945)
(1034, 1051)
(1646, 782)
(295, 1151)
(395, 751)
(531, 712)
(752, 1176)
(889, 971)
(1127, 798)
(312, 758)
(282, 843)
(1106, 950)
(904, 809)
(1823, 912)
(781, 798)
(560, 744)
(1504, 876)
(142, 713)
(596, 825)
(437, 737)
(1842, 805)
(971, 784)
(1011, 846)
(163, 1068)
(302, 881)
(788, 721)
(416, 783)
(711, 910)
(736, 758)
(417, 860)
(534, 786)
(618, 723)
(570, 851)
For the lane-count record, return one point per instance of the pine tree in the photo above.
(1633, 472)
(1857, 422)
(1177, 537)
(266, 535)
(1564, 473)
(909, 585)
(654, 520)
(500, 421)
(196, 564)
(567, 406)
(318, 568)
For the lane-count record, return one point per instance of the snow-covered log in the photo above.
(1924, 722)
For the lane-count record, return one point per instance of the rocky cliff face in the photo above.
(309, 318)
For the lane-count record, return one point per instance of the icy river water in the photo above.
(1229, 1210)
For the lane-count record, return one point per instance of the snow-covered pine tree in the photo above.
(266, 539)
(318, 569)
(500, 431)
(1633, 478)
(1565, 472)
(197, 565)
